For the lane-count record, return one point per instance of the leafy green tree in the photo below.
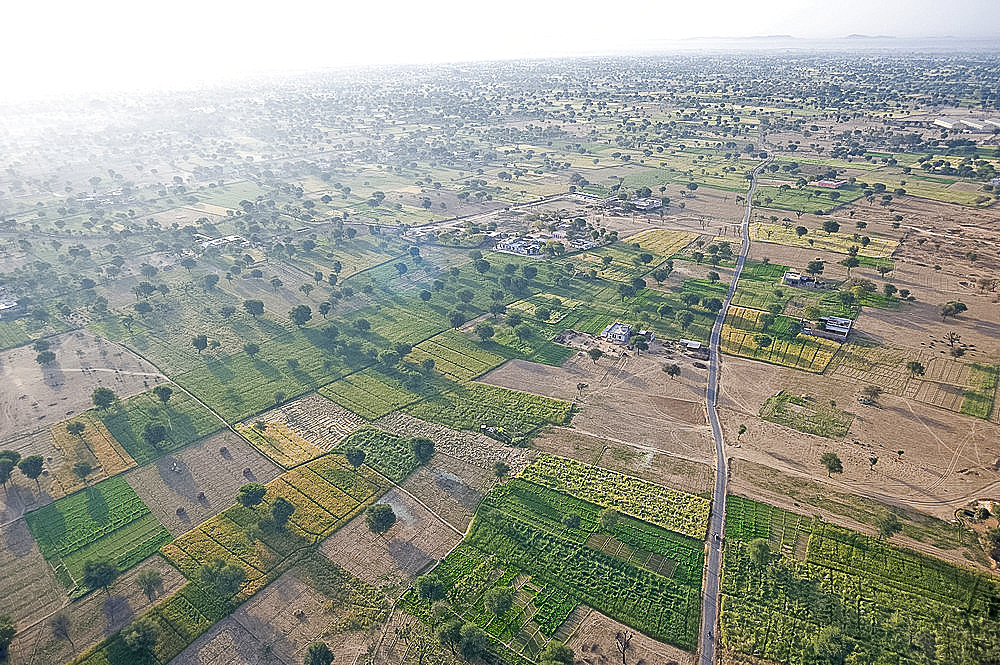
(380, 517)
(595, 354)
(199, 342)
(485, 331)
(449, 633)
(81, 470)
(318, 653)
(915, 368)
(673, 370)
(473, 640)
(300, 314)
(501, 469)
(555, 653)
(355, 456)
(222, 578)
(423, 449)
(762, 341)
(149, 581)
(154, 434)
(429, 587)
(250, 494)
(713, 276)
(888, 525)
(100, 573)
(759, 550)
(140, 637)
(75, 427)
(952, 308)
(103, 398)
(684, 318)
(32, 467)
(608, 517)
(832, 463)
(7, 466)
(253, 307)
(251, 348)
(45, 358)
(7, 632)
(163, 393)
(831, 226)
(498, 600)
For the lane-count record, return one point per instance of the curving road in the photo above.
(710, 587)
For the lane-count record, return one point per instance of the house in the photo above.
(830, 184)
(618, 332)
(11, 309)
(831, 327)
(522, 246)
(646, 204)
(792, 278)
(648, 334)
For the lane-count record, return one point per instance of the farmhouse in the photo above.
(831, 327)
(995, 122)
(794, 278)
(974, 124)
(618, 332)
(830, 184)
(522, 246)
(10, 309)
(647, 204)
(224, 240)
(947, 123)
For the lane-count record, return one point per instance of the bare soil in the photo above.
(594, 643)
(32, 395)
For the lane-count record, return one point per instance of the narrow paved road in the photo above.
(710, 587)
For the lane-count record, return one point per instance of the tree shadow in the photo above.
(117, 613)
(18, 538)
(466, 495)
(97, 505)
(177, 477)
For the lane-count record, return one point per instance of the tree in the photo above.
(225, 579)
(851, 262)
(673, 370)
(300, 314)
(498, 600)
(250, 494)
(608, 517)
(81, 470)
(713, 305)
(423, 449)
(472, 640)
(888, 525)
(154, 434)
(450, 633)
(7, 632)
(380, 517)
(318, 653)
(915, 368)
(31, 467)
(140, 637)
(103, 398)
(253, 307)
(555, 653)
(815, 267)
(251, 348)
(952, 308)
(871, 393)
(429, 587)
(281, 510)
(45, 358)
(61, 625)
(801, 231)
(163, 393)
(501, 469)
(99, 573)
(199, 342)
(684, 318)
(832, 463)
(75, 427)
(485, 331)
(595, 354)
(831, 226)
(7, 466)
(759, 551)
(355, 456)
(149, 581)
(762, 341)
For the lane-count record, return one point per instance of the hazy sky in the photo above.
(75, 45)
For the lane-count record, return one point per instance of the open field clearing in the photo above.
(94, 617)
(95, 446)
(740, 333)
(29, 590)
(839, 243)
(31, 395)
(594, 641)
(188, 487)
(279, 442)
(184, 419)
(315, 600)
(838, 568)
(105, 520)
(660, 413)
(452, 488)
(662, 243)
(392, 559)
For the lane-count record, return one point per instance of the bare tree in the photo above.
(623, 641)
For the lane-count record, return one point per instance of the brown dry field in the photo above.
(29, 590)
(275, 627)
(417, 540)
(32, 396)
(593, 643)
(320, 421)
(634, 404)
(176, 481)
(92, 618)
(450, 488)
(23, 494)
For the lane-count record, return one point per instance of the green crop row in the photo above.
(390, 455)
(369, 393)
(470, 405)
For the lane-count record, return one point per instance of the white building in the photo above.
(618, 332)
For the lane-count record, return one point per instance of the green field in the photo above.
(106, 520)
(369, 393)
(185, 420)
(390, 455)
(852, 598)
(806, 415)
(978, 401)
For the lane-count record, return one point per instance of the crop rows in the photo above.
(978, 401)
(369, 394)
(806, 415)
(671, 509)
(805, 352)
(279, 442)
(661, 242)
(470, 405)
(387, 453)
(95, 446)
(554, 607)
(455, 355)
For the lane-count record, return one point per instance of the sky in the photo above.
(51, 47)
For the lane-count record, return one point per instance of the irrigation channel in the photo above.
(717, 520)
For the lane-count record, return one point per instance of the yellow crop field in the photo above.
(279, 442)
(878, 248)
(661, 242)
(742, 325)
